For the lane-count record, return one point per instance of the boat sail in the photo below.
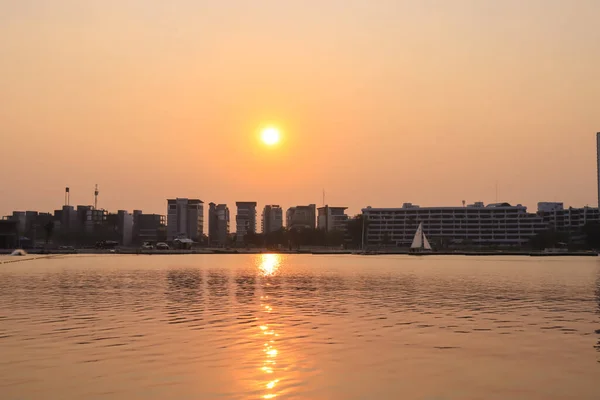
(420, 244)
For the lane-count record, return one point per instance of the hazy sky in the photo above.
(380, 101)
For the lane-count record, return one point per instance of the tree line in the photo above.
(295, 238)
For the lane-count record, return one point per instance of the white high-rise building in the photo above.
(598, 165)
(218, 224)
(272, 218)
(332, 218)
(185, 219)
(245, 219)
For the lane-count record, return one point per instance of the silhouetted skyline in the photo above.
(380, 103)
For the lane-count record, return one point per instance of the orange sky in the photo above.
(380, 102)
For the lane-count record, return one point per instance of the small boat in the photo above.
(19, 252)
(420, 245)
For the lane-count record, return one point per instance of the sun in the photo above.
(270, 136)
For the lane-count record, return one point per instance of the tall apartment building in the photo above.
(332, 218)
(218, 224)
(598, 165)
(494, 224)
(185, 219)
(245, 219)
(272, 218)
(301, 217)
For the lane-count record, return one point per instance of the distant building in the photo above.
(301, 217)
(67, 216)
(125, 227)
(332, 218)
(185, 219)
(571, 220)
(598, 165)
(30, 224)
(25, 220)
(120, 226)
(9, 234)
(272, 219)
(88, 218)
(545, 206)
(245, 219)
(149, 227)
(218, 224)
(494, 224)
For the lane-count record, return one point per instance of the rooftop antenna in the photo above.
(464, 202)
(96, 197)
(67, 196)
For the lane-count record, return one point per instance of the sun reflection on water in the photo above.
(268, 265)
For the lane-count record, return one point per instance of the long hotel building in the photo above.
(494, 224)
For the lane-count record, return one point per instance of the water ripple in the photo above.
(269, 326)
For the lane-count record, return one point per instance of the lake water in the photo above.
(300, 327)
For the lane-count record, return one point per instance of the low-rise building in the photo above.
(570, 220)
(494, 224)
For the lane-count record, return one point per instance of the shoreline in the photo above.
(312, 252)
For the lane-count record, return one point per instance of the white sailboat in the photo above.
(420, 244)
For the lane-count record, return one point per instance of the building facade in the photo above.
(89, 218)
(185, 219)
(30, 225)
(118, 227)
(149, 227)
(9, 234)
(301, 217)
(570, 220)
(66, 218)
(245, 219)
(125, 221)
(598, 165)
(332, 218)
(272, 218)
(494, 224)
(218, 224)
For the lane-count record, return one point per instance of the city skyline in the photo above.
(377, 103)
(350, 213)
